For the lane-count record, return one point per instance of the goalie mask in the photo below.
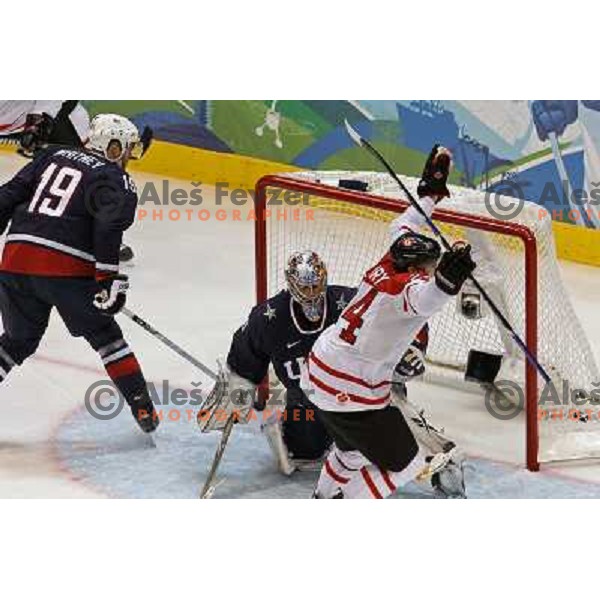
(415, 250)
(306, 276)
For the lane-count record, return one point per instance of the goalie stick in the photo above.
(209, 487)
(360, 141)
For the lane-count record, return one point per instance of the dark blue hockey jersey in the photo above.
(67, 211)
(277, 332)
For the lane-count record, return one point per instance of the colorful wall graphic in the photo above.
(495, 143)
(548, 150)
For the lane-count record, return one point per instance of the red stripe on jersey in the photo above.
(387, 479)
(423, 336)
(335, 476)
(346, 376)
(126, 366)
(343, 397)
(370, 483)
(101, 275)
(30, 259)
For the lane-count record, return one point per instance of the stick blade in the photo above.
(354, 135)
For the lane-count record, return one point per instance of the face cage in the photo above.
(311, 306)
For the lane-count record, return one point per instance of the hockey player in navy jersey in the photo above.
(67, 212)
(281, 332)
(39, 124)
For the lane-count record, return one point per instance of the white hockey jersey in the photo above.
(13, 114)
(351, 365)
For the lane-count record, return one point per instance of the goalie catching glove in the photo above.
(454, 268)
(231, 395)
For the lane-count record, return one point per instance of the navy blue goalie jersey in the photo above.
(67, 211)
(277, 332)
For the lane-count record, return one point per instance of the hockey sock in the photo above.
(6, 362)
(374, 482)
(13, 353)
(338, 470)
(123, 368)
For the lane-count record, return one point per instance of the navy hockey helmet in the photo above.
(415, 250)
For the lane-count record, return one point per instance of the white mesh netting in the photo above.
(351, 238)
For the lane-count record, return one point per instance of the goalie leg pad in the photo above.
(445, 464)
(274, 433)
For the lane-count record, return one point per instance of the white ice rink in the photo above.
(194, 281)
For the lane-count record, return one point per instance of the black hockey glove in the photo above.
(412, 363)
(454, 268)
(435, 174)
(36, 133)
(112, 295)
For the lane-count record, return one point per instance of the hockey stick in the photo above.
(209, 488)
(165, 340)
(360, 141)
(564, 176)
(562, 171)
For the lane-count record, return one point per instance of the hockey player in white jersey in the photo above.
(350, 369)
(36, 123)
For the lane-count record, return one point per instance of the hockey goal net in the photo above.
(516, 263)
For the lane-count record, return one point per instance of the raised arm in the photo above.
(411, 219)
(431, 189)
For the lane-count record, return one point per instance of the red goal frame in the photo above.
(514, 230)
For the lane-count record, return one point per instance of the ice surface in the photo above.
(194, 281)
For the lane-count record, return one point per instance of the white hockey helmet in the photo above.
(106, 128)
